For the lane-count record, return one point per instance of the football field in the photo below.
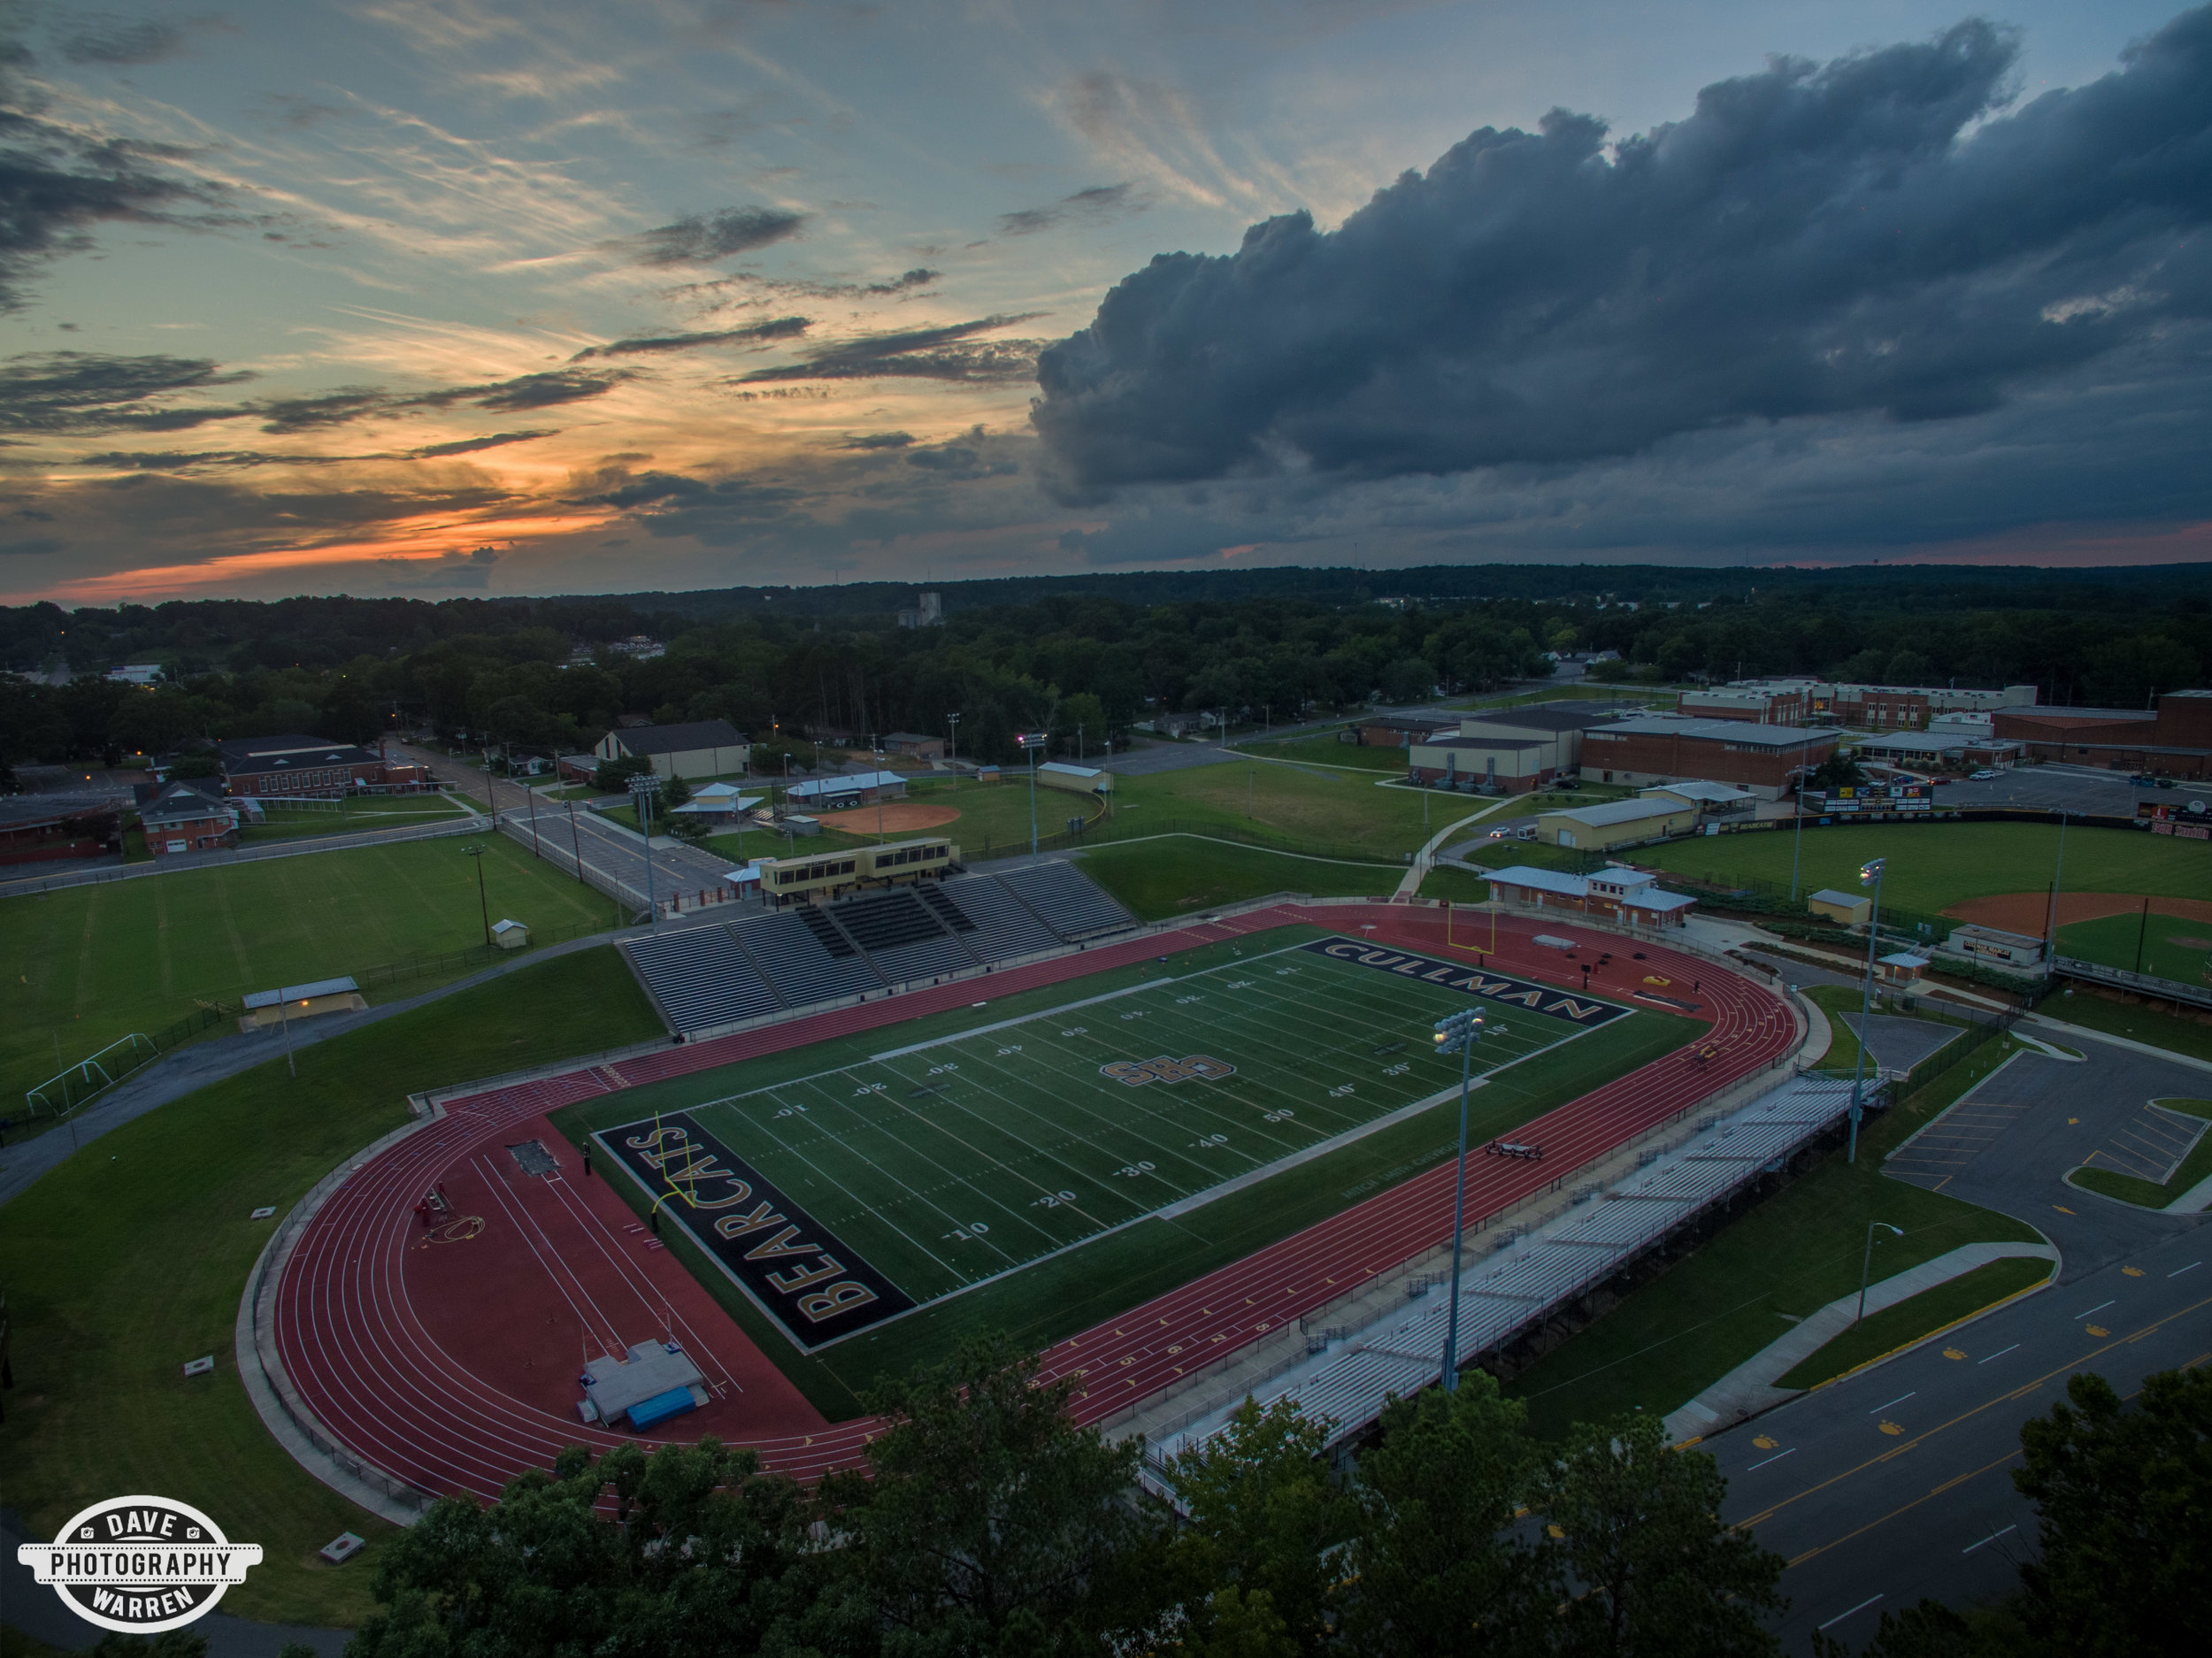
(924, 1169)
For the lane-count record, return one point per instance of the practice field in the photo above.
(846, 1196)
(1932, 865)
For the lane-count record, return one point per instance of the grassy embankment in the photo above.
(1911, 1320)
(130, 1258)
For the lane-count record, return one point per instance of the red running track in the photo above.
(449, 1359)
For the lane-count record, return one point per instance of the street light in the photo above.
(1867, 1260)
(1461, 1032)
(1869, 874)
(482, 903)
(643, 786)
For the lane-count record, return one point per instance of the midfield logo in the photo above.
(1583, 1011)
(1137, 1072)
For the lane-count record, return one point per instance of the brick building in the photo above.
(2175, 738)
(185, 816)
(1558, 726)
(298, 764)
(1666, 748)
(1760, 705)
(1511, 765)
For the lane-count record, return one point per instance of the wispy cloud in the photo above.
(702, 239)
(948, 353)
(753, 334)
(1100, 202)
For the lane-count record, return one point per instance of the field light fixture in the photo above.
(1458, 1032)
(1871, 873)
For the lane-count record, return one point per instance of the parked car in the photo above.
(1984, 777)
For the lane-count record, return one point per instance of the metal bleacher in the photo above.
(904, 937)
(703, 978)
(997, 924)
(1516, 1288)
(800, 964)
(1067, 900)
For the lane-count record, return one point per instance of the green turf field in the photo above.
(2163, 946)
(1111, 1270)
(1931, 865)
(960, 1159)
(88, 965)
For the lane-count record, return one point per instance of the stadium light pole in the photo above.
(482, 903)
(1031, 740)
(1866, 1262)
(1869, 874)
(641, 791)
(1460, 1031)
(1797, 852)
(954, 721)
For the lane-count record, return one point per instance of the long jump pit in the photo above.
(434, 1315)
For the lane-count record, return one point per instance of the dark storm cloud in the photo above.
(949, 353)
(1101, 200)
(36, 547)
(527, 391)
(79, 391)
(878, 441)
(649, 489)
(698, 239)
(753, 334)
(469, 446)
(1811, 240)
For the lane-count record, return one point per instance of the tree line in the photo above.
(1081, 657)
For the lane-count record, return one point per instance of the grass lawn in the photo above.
(1067, 1291)
(2150, 1194)
(2166, 946)
(1455, 886)
(1325, 750)
(1843, 1044)
(129, 1260)
(1177, 874)
(1668, 1341)
(1931, 865)
(2138, 1021)
(92, 963)
(1341, 812)
(1923, 1315)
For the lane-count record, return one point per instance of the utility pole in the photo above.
(577, 842)
(482, 903)
(641, 791)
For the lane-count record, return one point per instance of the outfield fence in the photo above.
(1117, 827)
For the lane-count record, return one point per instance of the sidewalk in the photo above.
(1749, 1389)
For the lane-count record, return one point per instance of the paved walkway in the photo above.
(1749, 1389)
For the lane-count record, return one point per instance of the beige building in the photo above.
(1512, 765)
(1850, 909)
(698, 747)
(1616, 823)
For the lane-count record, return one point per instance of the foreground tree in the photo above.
(992, 1524)
(2125, 1497)
(1257, 1564)
(704, 1554)
(1658, 1574)
(1438, 1565)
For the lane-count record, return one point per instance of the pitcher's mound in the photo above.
(899, 818)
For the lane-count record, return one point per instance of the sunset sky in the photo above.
(442, 296)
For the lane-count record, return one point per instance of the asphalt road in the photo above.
(1896, 1483)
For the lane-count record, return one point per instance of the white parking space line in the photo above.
(2191, 1267)
(1862, 1607)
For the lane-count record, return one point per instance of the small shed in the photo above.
(511, 935)
(1851, 909)
(267, 1008)
(1903, 968)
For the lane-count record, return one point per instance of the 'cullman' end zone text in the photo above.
(1581, 1010)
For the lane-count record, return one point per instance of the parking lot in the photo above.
(2067, 788)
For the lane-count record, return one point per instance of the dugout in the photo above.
(818, 879)
(267, 1008)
